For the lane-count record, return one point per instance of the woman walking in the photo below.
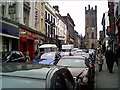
(100, 59)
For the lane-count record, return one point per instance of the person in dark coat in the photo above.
(110, 56)
(117, 52)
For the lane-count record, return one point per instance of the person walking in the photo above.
(28, 60)
(100, 59)
(110, 58)
(117, 53)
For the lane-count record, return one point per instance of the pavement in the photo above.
(106, 80)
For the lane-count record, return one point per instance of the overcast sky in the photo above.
(76, 9)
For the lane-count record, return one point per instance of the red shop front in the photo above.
(27, 41)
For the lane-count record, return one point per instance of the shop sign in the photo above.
(27, 34)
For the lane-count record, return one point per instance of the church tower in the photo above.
(91, 27)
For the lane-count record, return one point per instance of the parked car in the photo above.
(12, 56)
(48, 58)
(65, 53)
(36, 76)
(80, 71)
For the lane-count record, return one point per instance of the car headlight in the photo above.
(85, 79)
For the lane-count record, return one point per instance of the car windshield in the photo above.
(4, 55)
(48, 56)
(72, 62)
(86, 55)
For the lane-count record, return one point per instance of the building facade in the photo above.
(39, 23)
(117, 19)
(91, 27)
(61, 28)
(50, 24)
(70, 29)
(9, 34)
(23, 14)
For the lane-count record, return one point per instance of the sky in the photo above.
(76, 9)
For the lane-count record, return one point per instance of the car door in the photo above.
(62, 79)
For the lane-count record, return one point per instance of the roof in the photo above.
(48, 45)
(72, 57)
(39, 71)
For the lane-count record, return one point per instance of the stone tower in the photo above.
(91, 27)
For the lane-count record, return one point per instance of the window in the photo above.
(87, 35)
(45, 14)
(48, 16)
(92, 46)
(46, 28)
(26, 16)
(51, 18)
(18, 54)
(13, 56)
(53, 33)
(48, 33)
(3, 10)
(92, 35)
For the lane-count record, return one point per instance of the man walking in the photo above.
(110, 56)
(100, 59)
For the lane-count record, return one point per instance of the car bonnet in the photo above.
(26, 70)
(77, 71)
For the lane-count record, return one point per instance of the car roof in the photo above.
(73, 57)
(48, 46)
(27, 70)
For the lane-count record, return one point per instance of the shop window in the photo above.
(5, 44)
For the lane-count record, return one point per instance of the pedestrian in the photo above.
(36, 54)
(117, 53)
(100, 59)
(110, 56)
(28, 60)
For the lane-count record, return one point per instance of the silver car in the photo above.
(36, 76)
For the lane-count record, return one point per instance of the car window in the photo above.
(48, 56)
(13, 56)
(18, 55)
(72, 62)
(57, 56)
(62, 79)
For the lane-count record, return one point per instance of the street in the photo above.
(106, 80)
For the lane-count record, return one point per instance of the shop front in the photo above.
(9, 36)
(27, 37)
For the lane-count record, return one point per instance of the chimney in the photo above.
(56, 8)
